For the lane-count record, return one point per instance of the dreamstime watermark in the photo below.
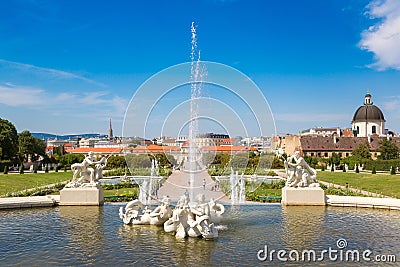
(338, 253)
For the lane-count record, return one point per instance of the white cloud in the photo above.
(383, 38)
(52, 72)
(14, 96)
(392, 105)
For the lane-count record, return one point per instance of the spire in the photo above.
(110, 131)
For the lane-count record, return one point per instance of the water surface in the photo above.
(95, 236)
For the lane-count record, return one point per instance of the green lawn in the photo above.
(388, 185)
(18, 182)
(121, 192)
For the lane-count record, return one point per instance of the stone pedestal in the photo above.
(82, 196)
(303, 196)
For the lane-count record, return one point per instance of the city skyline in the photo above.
(68, 67)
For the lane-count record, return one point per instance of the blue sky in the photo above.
(68, 66)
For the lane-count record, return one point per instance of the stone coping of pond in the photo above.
(363, 202)
(331, 200)
(29, 202)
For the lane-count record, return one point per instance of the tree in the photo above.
(373, 170)
(393, 171)
(276, 163)
(69, 159)
(116, 162)
(28, 145)
(362, 151)
(388, 150)
(335, 159)
(8, 140)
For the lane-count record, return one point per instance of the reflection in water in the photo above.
(303, 225)
(84, 229)
(95, 236)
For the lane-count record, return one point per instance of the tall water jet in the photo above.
(196, 77)
(238, 188)
(146, 189)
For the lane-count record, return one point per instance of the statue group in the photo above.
(299, 173)
(194, 219)
(90, 170)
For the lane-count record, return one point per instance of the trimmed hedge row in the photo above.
(381, 165)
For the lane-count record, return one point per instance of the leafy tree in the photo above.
(362, 151)
(335, 159)
(312, 161)
(388, 150)
(138, 161)
(239, 160)
(8, 140)
(357, 169)
(373, 170)
(116, 162)
(21, 169)
(69, 159)
(28, 145)
(222, 159)
(6, 169)
(266, 161)
(164, 160)
(276, 163)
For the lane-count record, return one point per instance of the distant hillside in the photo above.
(45, 136)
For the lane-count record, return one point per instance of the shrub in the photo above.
(373, 170)
(6, 169)
(34, 169)
(392, 171)
(272, 173)
(65, 168)
(323, 168)
(344, 168)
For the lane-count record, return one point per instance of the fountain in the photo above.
(238, 188)
(190, 217)
(196, 76)
(146, 189)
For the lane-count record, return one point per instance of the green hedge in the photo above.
(381, 165)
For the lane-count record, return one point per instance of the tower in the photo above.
(368, 119)
(110, 131)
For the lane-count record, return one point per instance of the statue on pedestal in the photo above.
(90, 170)
(299, 173)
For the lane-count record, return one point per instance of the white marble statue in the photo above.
(90, 171)
(135, 213)
(299, 173)
(194, 219)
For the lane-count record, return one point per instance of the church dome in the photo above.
(368, 112)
